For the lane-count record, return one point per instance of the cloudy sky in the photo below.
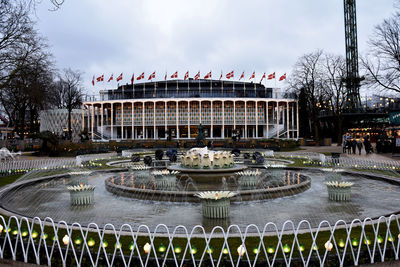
(134, 36)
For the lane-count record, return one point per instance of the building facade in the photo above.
(158, 110)
(56, 121)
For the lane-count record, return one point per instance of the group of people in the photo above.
(351, 144)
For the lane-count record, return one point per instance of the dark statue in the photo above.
(200, 137)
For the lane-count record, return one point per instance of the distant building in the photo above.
(56, 121)
(158, 110)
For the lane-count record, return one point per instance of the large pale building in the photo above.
(156, 110)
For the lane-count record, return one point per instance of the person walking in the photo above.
(359, 146)
(367, 144)
(348, 146)
(354, 145)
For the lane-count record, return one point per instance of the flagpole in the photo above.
(165, 85)
(210, 83)
(222, 85)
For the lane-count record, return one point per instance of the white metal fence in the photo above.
(85, 158)
(24, 165)
(362, 163)
(339, 244)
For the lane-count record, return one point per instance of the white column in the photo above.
(267, 117)
(143, 127)
(234, 115)
(287, 118)
(102, 120)
(154, 120)
(107, 116)
(245, 119)
(189, 114)
(256, 133)
(297, 116)
(165, 118)
(212, 121)
(293, 119)
(122, 120)
(277, 119)
(112, 121)
(223, 119)
(177, 120)
(92, 121)
(133, 121)
(200, 111)
(83, 119)
(88, 118)
(97, 118)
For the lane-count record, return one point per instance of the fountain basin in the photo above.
(207, 175)
(112, 186)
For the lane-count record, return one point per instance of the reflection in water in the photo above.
(371, 198)
(267, 179)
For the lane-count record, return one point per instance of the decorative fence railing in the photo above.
(89, 157)
(361, 163)
(9, 167)
(340, 244)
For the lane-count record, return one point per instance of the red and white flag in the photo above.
(175, 75)
(253, 75)
(141, 76)
(111, 78)
(100, 78)
(262, 78)
(186, 75)
(119, 77)
(241, 76)
(152, 76)
(271, 76)
(283, 77)
(229, 75)
(197, 76)
(220, 77)
(208, 75)
(132, 78)
(165, 76)
(93, 80)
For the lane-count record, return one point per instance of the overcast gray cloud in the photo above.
(102, 36)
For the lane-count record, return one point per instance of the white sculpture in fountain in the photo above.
(197, 158)
(81, 194)
(339, 191)
(215, 204)
(5, 154)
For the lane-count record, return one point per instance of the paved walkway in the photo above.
(338, 149)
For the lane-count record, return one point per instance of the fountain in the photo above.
(165, 179)
(215, 204)
(204, 165)
(248, 179)
(141, 172)
(339, 191)
(81, 194)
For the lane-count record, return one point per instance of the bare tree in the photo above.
(26, 92)
(334, 74)
(382, 63)
(15, 37)
(307, 78)
(67, 93)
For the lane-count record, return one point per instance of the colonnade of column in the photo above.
(280, 120)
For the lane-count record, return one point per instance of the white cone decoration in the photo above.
(81, 194)
(215, 204)
(339, 191)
